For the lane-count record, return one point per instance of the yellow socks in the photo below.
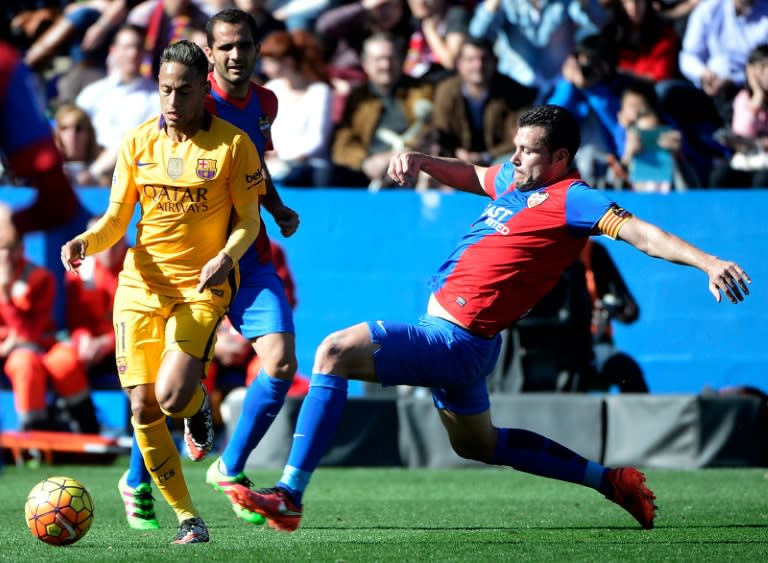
(161, 457)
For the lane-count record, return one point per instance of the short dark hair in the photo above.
(478, 43)
(561, 130)
(597, 47)
(646, 90)
(759, 53)
(232, 16)
(186, 53)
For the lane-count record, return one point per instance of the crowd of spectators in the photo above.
(357, 80)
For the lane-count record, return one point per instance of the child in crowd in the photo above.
(748, 135)
(652, 159)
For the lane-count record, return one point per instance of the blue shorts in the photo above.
(260, 306)
(438, 354)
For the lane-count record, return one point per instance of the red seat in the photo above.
(90, 445)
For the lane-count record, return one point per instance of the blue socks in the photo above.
(263, 400)
(533, 453)
(315, 428)
(137, 471)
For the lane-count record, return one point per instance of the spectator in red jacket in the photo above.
(90, 297)
(33, 358)
(648, 46)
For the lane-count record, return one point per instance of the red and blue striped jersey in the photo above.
(254, 114)
(516, 250)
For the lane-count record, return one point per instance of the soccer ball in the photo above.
(59, 510)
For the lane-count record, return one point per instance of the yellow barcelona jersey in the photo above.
(188, 193)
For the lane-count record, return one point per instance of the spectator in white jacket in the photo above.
(301, 135)
(120, 101)
(718, 38)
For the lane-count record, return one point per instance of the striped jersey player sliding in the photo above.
(540, 217)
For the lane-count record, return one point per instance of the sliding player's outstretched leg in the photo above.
(632, 494)
(536, 454)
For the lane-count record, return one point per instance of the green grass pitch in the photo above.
(420, 515)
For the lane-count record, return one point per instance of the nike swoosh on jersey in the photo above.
(140, 164)
(155, 469)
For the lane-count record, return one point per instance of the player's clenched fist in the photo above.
(72, 254)
(404, 167)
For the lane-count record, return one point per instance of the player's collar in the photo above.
(239, 103)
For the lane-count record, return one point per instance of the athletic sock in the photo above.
(536, 454)
(263, 400)
(137, 471)
(316, 426)
(164, 463)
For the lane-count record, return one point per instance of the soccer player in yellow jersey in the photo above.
(197, 180)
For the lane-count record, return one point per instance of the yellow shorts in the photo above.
(147, 325)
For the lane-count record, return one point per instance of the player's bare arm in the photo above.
(404, 167)
(285, 217)
(724, 276)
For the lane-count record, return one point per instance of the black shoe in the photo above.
(198, 431)
(192, 530)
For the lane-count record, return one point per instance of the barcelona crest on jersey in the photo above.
(206, 168)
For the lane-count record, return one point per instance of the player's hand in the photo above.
(404, 167)
(287, 219)
(215, 271)
(72, 255)
(728, 278)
